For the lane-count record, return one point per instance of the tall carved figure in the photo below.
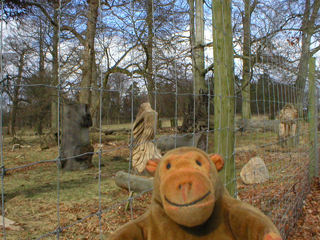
(288, 127)
(144, 129)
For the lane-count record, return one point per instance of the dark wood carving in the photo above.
(76, 150)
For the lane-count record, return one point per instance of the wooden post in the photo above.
(313, 119)
(224, 99)
(75, 141)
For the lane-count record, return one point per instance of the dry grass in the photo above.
(31, 192)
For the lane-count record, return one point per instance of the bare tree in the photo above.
(16, 80)
(308, 28)
(246, 69)
(258, 43)
(197, 44)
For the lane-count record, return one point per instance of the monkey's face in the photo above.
(186, 188)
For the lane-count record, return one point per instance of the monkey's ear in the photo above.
(152, 165)
(217, 161)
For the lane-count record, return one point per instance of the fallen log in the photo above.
(257, 125)
(168, 142)
(137, 183)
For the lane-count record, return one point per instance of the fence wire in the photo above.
(87, 204)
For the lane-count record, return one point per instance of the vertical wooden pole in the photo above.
(313, 119)
(224, 101)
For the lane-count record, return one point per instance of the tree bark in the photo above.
(198, 49)
(245, 88)
(149, 54)
(15, 100)
(89, 63)
(55, 72)
(192, 34)
(95, 98)
(197, 106)
(312, 110)
(42, 77)
(224, 99)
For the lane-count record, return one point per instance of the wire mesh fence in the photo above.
(238, 89)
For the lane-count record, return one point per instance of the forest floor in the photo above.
(308, 226)
(32, 199)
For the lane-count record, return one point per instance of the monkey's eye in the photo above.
(198, 162)
(168, 165)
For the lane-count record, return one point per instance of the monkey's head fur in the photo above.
(187, 185)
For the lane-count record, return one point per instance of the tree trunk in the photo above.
(224, 99)
(75, 141)
(15, 100)
(197, 107)
(198, 51)
(257, 125)
(312, 111)
(308, 29)
(192, 34)
(303, 71)
(95, 98)
(245, 87)
(41, 54)
(42, 78)
(55, 72)
(89, 54)
(149, 53)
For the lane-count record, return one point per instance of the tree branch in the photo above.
(43, 10)
(253, 6)
(74, 32)
(313, 51)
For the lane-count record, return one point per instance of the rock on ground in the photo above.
(254, 171)
(10, 225)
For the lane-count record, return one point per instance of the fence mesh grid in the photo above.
(49, 203)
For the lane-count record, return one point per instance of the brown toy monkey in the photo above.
(190, 202)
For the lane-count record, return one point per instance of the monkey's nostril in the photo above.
(186, 185)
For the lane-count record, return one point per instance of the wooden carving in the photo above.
(288, 123)
(144, 128)
(76, 149)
